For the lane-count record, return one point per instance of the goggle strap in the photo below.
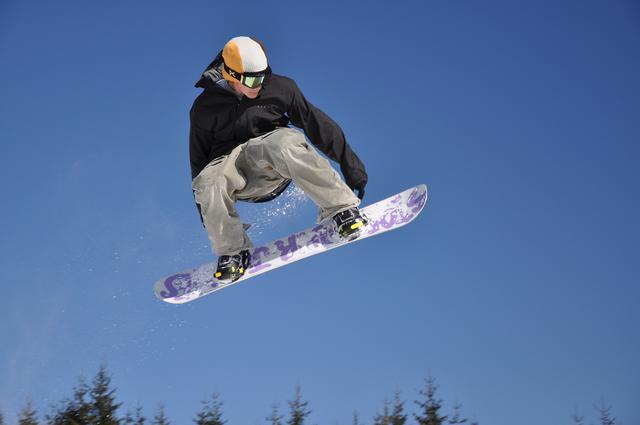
(235, 74)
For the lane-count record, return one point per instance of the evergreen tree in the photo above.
(398, 417)
(605, 414)
(275, 418)
(1, 419)
(456, 417)
(384, 418)
(134, 418)
(72, 411)
(28, 415)
(298, 409)
(160, 418)
(104, 407)
(577, 419)
(356, 419)
(430, 406)
(211, 413)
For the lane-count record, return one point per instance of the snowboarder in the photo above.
(242, 148)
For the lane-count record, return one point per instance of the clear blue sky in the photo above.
(518, 286)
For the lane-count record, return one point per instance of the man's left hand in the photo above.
(359, 189)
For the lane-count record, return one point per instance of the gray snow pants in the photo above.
(256, 168)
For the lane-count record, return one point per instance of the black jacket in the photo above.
(220, 122)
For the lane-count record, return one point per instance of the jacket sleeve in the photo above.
(200, 142)
(199, 149)
(327, 136)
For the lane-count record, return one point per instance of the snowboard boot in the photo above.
(232, 267)
(349, 223)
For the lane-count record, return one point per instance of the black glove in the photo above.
(359, 189)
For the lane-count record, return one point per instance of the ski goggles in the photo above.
(248, 79)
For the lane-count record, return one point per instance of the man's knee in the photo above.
(286, 140)
(206, 182)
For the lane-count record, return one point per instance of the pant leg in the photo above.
(288, 154)
(215, 190)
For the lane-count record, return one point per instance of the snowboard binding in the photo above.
(232, 267)
(349, 223)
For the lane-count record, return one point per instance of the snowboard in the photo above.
(388, 214)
